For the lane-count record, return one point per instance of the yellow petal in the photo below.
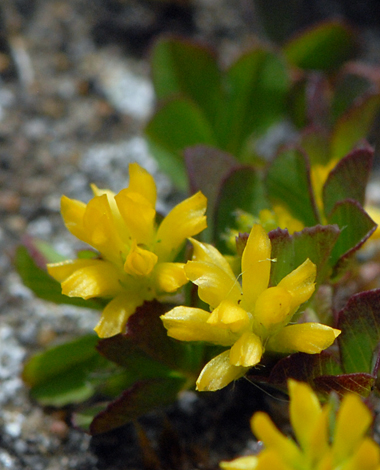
(168, 277)
(255, 266)
(352, 423)
(142, 182)
(218, 373)
(100, 226)
(229, 315)
(300, 283)
(273, 307)
(269, 459)
(367, 456)
(214, 284)
(183, 221)
(190, 324)
(247, 350)
(248, 462)
(305, 412)
(264, 429)
(116, 314)
(62, 270)
(99, 279)
(319, 437)
(72, 213)
(311, 338)
(139, 262)
(206, 253)
(138, 214)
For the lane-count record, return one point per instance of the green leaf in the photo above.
(288, 183)
(199, 160)
(256, 88)
(242, 189)
(178, 124)
(356, 227)
(349, 179)
(44, 286)
(315, 142)
(142, 397)
(62, 374)
(180, 67)
(290, 251)
(323, 47)
(353, 126)
(359, 321)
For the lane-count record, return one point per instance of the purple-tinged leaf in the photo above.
(354, 126)
(349, 179)
(359, 383)
(304, 367)
(359, 321)
(290, 251)
(288, 183)
(242, 189)
(356, 227)
(207, 167)
(141, 398)
(325, 46)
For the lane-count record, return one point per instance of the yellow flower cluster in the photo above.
(250, 317)
(320, 446)
(136, 257)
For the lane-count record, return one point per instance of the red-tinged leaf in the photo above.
(146, 330)
(256, 88)
(242, 189)
(290, 251)
(304, 367)
(199, 160)
(354, 126)
(288, 183)
(177, 124)
(141, 398)
(315, 142)
(349, 179)
(359, 321)
(323, 47)
(360, 383)
(356, 227)
(181, 67)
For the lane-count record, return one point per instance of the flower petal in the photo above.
(138, 214)
(168, 277)
(218, 373)
(206, 253)
(96, 279)
(72, 213)
(183, 221)
(352, 422)
(139, 262)
(269, 459)
(229, 315)
(214, 284)
(142, 182)
(367, 457)
(300, 283)
(255, 265)
(116, 314)
(248, 462)
(264, 429)
(305, 412)
(310, 338)
(247, 350)
(273, 307)
(62, 270)
(190, 324)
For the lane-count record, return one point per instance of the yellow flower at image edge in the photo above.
(248, 318)
(136, 262)
(319, 446)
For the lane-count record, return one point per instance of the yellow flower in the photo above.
(136, 257)
(319, 446)
(248, 318)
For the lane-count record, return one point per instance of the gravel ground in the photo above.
(74, 96)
